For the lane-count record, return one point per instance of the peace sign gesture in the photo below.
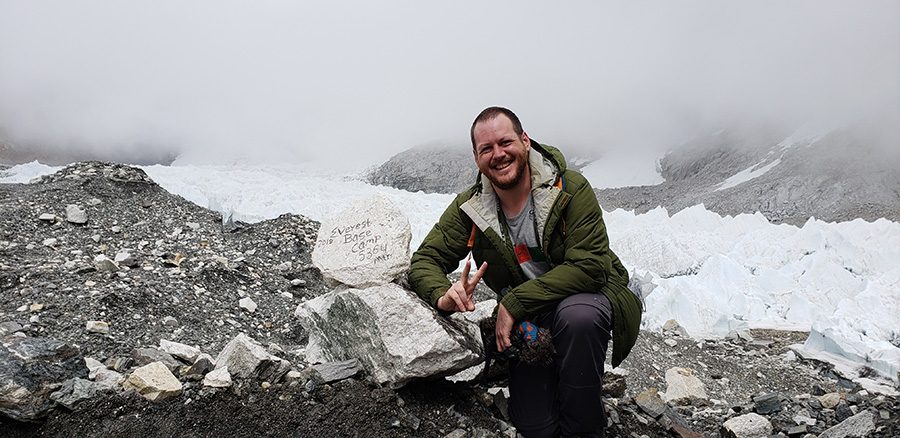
(459, 298)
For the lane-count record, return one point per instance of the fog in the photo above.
(355, 82)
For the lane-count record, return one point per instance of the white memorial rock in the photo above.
(394, 334)
(367, 244)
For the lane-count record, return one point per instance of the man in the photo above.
(537, 232)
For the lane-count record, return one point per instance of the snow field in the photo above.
(712, 274)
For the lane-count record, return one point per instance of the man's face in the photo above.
(501, 155)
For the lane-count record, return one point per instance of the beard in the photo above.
(509, 180)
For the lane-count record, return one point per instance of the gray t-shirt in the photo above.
(523, 233)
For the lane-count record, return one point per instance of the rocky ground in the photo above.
(129, 265)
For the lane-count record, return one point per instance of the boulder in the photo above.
(682, 386)
(246, 358)
(365, 245)
(154, 382)
(30, 370)
(747, 426)
(859, 425)
(395, 335)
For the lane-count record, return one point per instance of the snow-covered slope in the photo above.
(836, 175)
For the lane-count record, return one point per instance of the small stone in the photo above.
(650, 402)
(287, 295)
(842, 411)
(334, 371)
(747, 426)
(76, 215)
(800, 429)
(790, 356)
(297, 282)
(218, 378)
(47, 217)
(247, 304)
(125, 258)
(169, 321)
(36, 307)
(457, 433)
(173, 260)
(144, 356)
(22, 308)
(104, 264)
(830, 400)
(671, 342)
(670, 325)
(767, 403)
(101, 327)
(245, 357)
(193, 225)
(116, 229)
(614, 382)
(185, 352)
(803, 417)
(199, 369)
(154, 382)
(94, 202)
(683, 386)
(119, 364)
(49, 241)
(74, 391)
(9, 327)
(93, 364)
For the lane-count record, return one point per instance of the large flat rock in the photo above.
(367, 244)
(394, 335)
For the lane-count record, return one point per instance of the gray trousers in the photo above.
(563, 399)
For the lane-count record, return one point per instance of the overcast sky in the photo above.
(359, 81)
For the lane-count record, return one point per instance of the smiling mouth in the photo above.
(503, 166)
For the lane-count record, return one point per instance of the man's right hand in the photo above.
(460, 296)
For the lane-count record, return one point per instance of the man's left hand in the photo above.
(503, 328)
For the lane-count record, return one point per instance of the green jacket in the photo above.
(573, 237)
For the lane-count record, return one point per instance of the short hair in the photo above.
(491, 113)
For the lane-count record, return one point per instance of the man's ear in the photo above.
(526, 140)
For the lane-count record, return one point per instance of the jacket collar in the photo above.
(482, 207)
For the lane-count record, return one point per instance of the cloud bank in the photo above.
(355, 82)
